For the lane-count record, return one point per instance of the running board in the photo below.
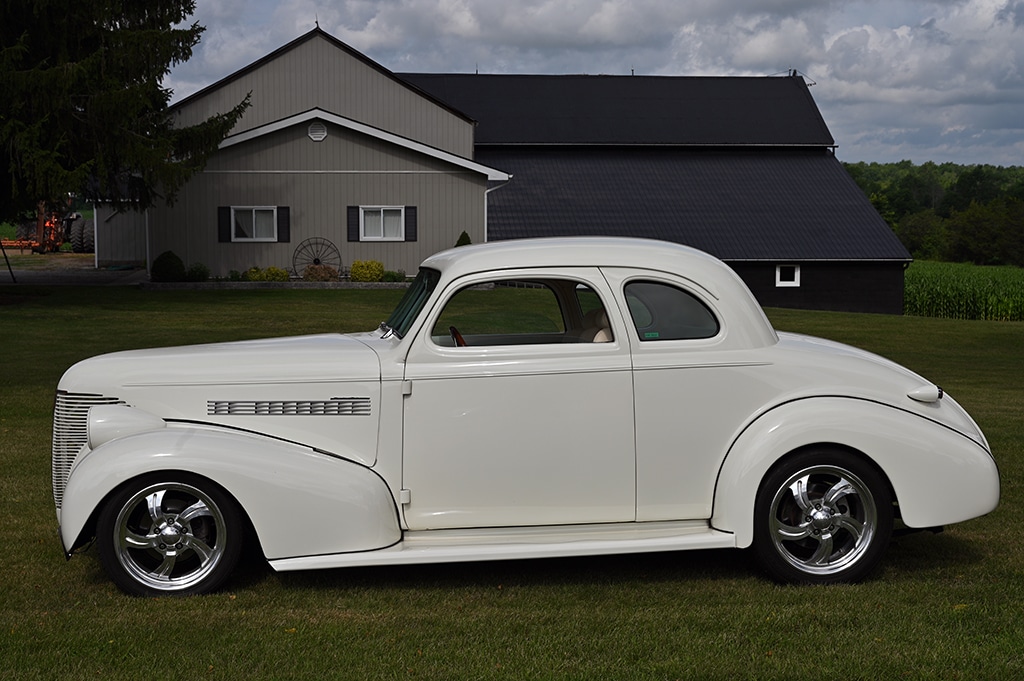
(455, 546)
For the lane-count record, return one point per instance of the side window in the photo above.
(523, 312)
(664, 312)
(588, 300)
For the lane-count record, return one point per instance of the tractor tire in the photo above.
(78, 235)
(89, 238)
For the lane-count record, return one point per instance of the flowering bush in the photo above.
(366, 270)
(268, 274)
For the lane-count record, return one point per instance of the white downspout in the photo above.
(486, 210)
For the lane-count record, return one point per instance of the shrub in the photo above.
(393, 276)
(198, 272)
(464, 240)
(366, 270)
(269, 274)
(167, 267)
(320, 273)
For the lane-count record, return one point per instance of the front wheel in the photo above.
(822, 517)
(169, 534)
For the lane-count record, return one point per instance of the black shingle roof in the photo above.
(798, 205)
(738, 167)
(632, 110)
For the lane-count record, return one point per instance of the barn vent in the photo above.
(317, 131)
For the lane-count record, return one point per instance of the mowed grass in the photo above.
(945, 606)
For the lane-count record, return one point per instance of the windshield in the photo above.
(412, 302)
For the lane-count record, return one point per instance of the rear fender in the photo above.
(300, 502)
(938, 475)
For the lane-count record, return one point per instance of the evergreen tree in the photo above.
(83, 109)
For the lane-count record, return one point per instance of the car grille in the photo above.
(70, 433)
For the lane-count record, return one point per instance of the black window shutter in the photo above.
(224, 224)
(284, 225)
(353, 223)
(410, 223)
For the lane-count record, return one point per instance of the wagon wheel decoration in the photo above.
(315, 251)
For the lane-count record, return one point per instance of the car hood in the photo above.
(326, 357)
(322, 391)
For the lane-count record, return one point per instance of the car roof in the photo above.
(649, 254)
(743, 313)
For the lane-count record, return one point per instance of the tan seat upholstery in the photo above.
(596, 328)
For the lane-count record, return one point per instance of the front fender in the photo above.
(300, 502)
(939, 476)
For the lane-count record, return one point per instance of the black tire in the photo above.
(88, 238)
(77, 235)
(169, 534)
(822, 516)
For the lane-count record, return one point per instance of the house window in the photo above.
(787, 276)
(253, 223)
(381, 223)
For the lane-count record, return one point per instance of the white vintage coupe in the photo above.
(557, 397)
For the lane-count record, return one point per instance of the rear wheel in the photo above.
(169, 534)
(78, 235)
(822, 516)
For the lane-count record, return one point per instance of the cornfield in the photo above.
(964, 291)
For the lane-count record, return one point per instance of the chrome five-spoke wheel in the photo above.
(169, 535)
(822, 517)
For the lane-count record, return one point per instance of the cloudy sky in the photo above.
(939, 80)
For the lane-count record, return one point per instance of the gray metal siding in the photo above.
(120, 237)
(317, 181)
(316, 73)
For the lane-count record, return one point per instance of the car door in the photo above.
(531, 421)
(694, 387)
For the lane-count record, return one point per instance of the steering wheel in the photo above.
(460, 342)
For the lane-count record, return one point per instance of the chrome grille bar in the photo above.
(70, 413)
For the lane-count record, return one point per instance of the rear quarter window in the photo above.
(664, 312)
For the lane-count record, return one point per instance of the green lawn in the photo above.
(942, 607)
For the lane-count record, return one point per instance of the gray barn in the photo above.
(395, 167)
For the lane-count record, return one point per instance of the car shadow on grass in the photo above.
(925, 553)
(604, 570)
(910, 556)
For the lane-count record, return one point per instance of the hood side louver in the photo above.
(336, 406)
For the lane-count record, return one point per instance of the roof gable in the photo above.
(633, 110)
(319, 71)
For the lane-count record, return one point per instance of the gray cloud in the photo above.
(926, 80)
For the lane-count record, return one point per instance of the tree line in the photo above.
(950, 212)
